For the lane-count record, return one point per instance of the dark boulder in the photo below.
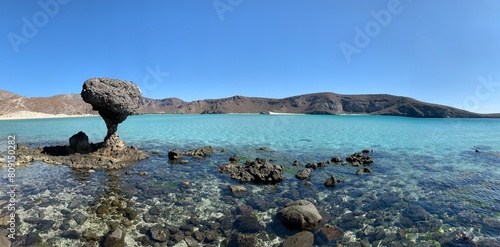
(71, 234)
(331, 182)
(301, 239)
(32, 238)
(200, 152)
(159, 233)
(175, 154)
(300, 215)
(304, 173)
(258, 170)
(336, 160)
(243, 240)
(115, 239)
(80, 143)
(247, 223)
(234, 159)
(312, 165)
(328, 235)
(359, 159)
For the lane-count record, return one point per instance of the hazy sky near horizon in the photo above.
(444, 52)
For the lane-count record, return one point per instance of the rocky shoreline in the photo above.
(139, 206)
(110, 194)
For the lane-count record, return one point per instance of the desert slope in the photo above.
(316, 103)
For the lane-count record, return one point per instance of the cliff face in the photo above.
(318, 103)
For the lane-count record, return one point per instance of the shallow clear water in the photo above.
(427, 186)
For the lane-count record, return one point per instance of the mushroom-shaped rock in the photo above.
(300, 215)
(115, 100)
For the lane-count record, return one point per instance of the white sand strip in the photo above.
(35, 115)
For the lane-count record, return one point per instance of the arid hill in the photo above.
(70, 104)
(317, 103)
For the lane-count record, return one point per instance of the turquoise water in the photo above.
(422, 165)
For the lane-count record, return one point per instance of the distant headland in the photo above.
(14, 105)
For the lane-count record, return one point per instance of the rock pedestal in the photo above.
(115, 100)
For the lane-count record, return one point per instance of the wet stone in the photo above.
(74, 204)
(148, 218)
(115, 239)
(177, 237)
(32, 220)
(159, 233)
(190, 241)
(328, 234)
(243, 240)
(32, 239)
(145, 241)
(301, 239)
(65, 212)
(173, 229)
(103, 209)
(90, 236)
(247, 224)
(131, 214)
(214, 225)
(80, 218)
(199, 236)
(64, 226)
(72, 234)
(210, 236)
(154, 211)
(187, 228)
(45, 225)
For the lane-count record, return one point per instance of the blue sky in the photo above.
(444, 52)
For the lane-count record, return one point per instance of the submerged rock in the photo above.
(247, 223)
(328, 234)
(237, 188)
(71, 234)
(304, 173)
(258, 170)
(359, 159)
(200, 152)
(175, 154)
(301, 239)
(234, 159)
(32, 239)
(115, 239)
(331, 182)
(300, 215)
(159, 233)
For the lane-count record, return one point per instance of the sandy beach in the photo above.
(36, 115)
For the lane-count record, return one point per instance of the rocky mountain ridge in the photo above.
(316, 103)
